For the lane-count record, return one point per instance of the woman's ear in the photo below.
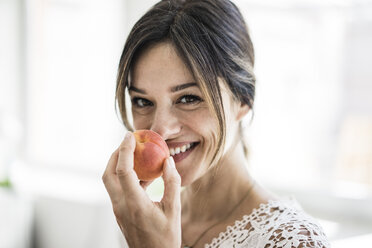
(243, 109)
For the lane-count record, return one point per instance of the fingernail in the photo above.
(127, 135)
(171, 162)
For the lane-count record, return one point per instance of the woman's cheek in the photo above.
(141, 122)
(199, 114)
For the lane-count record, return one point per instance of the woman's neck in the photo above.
(213, 195)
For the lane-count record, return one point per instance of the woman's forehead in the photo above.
(160, 65)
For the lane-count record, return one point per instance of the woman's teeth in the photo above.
(174, 151)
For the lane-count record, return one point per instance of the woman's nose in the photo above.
(165, 123)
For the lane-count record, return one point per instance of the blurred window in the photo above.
(73, 49)
(313, 111)
(10, 77)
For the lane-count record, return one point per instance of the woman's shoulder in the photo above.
(277, 223)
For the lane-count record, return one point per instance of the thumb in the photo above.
(172, 188)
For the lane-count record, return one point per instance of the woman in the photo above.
(188, 69)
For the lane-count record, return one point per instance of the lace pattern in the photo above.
(277, 224)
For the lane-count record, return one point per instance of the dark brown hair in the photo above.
(212, 39)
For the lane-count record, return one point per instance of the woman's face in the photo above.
(166, 99)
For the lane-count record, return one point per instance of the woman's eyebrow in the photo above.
(173, 89)
(183, 86)
(132, 88)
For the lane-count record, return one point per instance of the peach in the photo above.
(149, 155)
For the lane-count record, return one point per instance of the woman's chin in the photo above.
(186, 176)
(189, 177)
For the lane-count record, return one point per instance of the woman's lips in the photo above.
(182, 155)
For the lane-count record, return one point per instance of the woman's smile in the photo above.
(181, 150)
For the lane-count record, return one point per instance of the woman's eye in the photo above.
(189, 99)
(141, 102)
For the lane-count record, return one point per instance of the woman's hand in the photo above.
(144, 223)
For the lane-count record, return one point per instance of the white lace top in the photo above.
(277, 224)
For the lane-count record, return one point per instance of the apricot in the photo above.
(149, 155)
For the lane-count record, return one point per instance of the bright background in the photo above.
(311, 136)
